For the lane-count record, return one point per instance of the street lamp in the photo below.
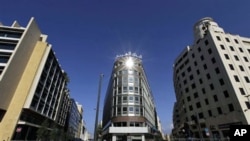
(97, 107)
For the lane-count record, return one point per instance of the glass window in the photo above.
(219, 110)
(231, 66)
(227, 40)
(247, 79)
(124, 110)
(226, 56)
(236, 78)
(242, 91)
(241, 68)
(131, 99)
(236, 57)
(230, 107)
(226, 94)
(125, 89)
(218, 38)
(236, 41)
(241, 50)
(7, 46)
(130, 79)
(245, 58)
(231, 48)
(222, 47)
(124, 99)
(215, 98)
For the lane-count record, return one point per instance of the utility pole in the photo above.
(97, 107)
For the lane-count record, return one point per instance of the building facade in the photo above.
(129, 111)
(32, 83)
(211, 80)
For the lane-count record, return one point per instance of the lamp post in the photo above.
(97, 107)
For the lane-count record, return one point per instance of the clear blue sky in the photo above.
(87, 35)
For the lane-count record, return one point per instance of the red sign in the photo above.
(19, 129)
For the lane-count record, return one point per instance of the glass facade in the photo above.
(129, 101)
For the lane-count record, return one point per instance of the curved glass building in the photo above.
(129, 111)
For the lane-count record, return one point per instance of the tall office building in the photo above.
(32, 83)
(129, 111)
(212, 80)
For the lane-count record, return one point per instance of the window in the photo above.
(210, 113)
(189, 69)
(231, 66)
(203, 90)
(195, 63)
(195, 95)
(248, 104)
(198, 104)
(201, 115)
(219, 110)
(206, 42)
(213, 60)
(226, 56)
(4, 57)
(193, 86)
(199, 49)
(245, 58)
(242, 91)
(125, 89)
(198, 72)
(222, 47)
(131, 110)
(209, 51)
(241, 68)
(124, 110)
(190, 108)
(137, 100)
(215, 98)
(7, 46)
(131, 88)
(236, 78)
(246, 79)
(236, 57)
(188, 98)
(202, 57)
(217, 70)
(226, 94)
(218, 38)
(231, 48)
(211, 86)
(221, 82)
(200, 80)
(236, 41)
(124, 99)
(131, 99)
(191, 77)
(230, 107)
(227, 40)
(241, 50)
(208, 76)
(206, 101)
(205, 66)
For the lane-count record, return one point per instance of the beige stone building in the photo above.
(32, 83)
(212, 81)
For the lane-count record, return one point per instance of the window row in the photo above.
(128, 110)
(219, 111)
(128, 99)
(227, 39)
(130, 124)
(128, 89)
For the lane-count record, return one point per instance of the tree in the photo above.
(43, 132)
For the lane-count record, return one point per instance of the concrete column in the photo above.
(113, 137)
(142, 138)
